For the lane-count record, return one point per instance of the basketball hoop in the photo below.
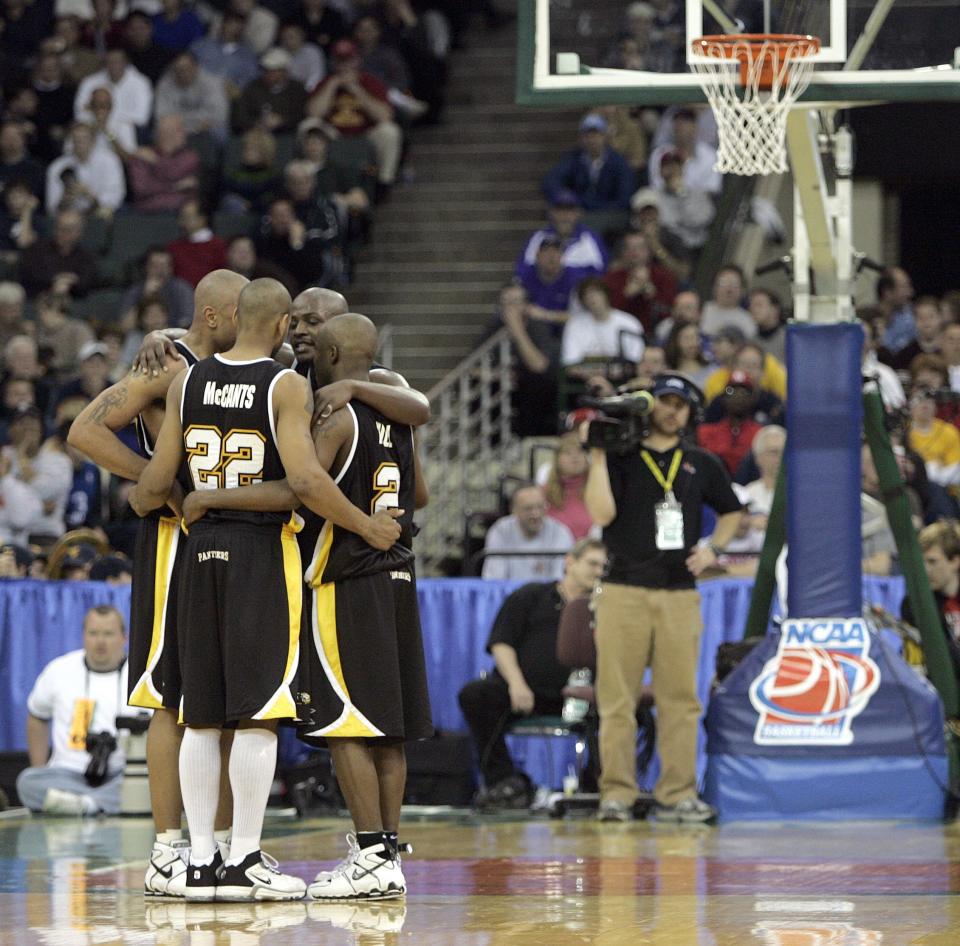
(773, 72)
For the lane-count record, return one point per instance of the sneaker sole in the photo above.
(201, 895)
(164, 895)
(254, 894)
(393, 894)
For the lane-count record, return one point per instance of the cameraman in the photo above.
(649, 499)
(74, 705)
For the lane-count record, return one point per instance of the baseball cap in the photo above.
(593, 122)
(90, 349)
(645, 197)
(550, 241)
(741, 379)
(110, 566)
(730, 333)
(672, 384)
(345, 49)
(79, 555)
(275, 58)
(315, 124)
(565, 198)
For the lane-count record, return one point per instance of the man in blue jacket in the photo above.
(598, 175)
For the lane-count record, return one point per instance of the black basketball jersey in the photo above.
(228, 429)
(377, 474)
(144, 439)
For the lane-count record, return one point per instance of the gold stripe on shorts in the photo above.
(281, 704)
(145, 693)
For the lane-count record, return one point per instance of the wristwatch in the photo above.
(715, 549)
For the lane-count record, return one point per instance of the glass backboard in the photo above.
(595, 51)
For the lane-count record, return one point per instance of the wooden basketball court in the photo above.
(519, 882)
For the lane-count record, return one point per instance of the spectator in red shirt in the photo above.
(640, 285)
(356, 103)
(165, 176)
(731, 438)
(198, 251)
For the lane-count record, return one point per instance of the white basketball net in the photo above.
(752, 121)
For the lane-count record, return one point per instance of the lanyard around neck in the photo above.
(667, 483)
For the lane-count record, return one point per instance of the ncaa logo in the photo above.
(820, 678)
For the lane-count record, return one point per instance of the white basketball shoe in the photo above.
(370, 873)
(257, 877)
(167, 869)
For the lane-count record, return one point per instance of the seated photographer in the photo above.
(527, 679)
(74, 706)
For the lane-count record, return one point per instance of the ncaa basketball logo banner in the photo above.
(819, 680)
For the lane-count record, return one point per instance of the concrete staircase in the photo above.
(445, 244)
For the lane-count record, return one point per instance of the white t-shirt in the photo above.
(60, 695)
(619, 335)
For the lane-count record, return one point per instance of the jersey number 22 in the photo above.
(223, 461)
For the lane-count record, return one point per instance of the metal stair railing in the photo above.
(466, 449)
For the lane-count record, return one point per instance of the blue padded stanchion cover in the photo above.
(894, 764)
(824, 419)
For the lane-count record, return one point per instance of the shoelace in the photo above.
(353, 852)
(271, 863)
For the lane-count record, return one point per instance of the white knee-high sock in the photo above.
(200, 785)
(253, 760)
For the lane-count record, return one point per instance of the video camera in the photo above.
(101, 746)
(621, 427)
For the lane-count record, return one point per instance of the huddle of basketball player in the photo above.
(273, 580)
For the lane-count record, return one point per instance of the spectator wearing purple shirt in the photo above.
(584, 253)
(549, 284)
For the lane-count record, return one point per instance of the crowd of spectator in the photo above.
(583, 320)
(144, 143)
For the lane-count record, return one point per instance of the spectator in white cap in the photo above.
(274, 101)
(599, 176)
(93, 374)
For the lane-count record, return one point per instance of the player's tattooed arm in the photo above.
(94, 432)
(158, 477)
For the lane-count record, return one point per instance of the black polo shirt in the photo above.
(528, 621)
(631, 537)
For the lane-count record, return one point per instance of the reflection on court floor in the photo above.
(67, 882)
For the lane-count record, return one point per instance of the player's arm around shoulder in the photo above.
(158, 477)
(387, 392)
(292, 401)
(94, 430)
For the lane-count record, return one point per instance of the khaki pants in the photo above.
(637, 628)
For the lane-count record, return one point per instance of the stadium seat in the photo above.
(101, 307)
(133, 235)
(227, 225)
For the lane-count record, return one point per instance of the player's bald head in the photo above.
(353, 334)
(323, 303)
(263, 302)
(218, 289)
(346, 346)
